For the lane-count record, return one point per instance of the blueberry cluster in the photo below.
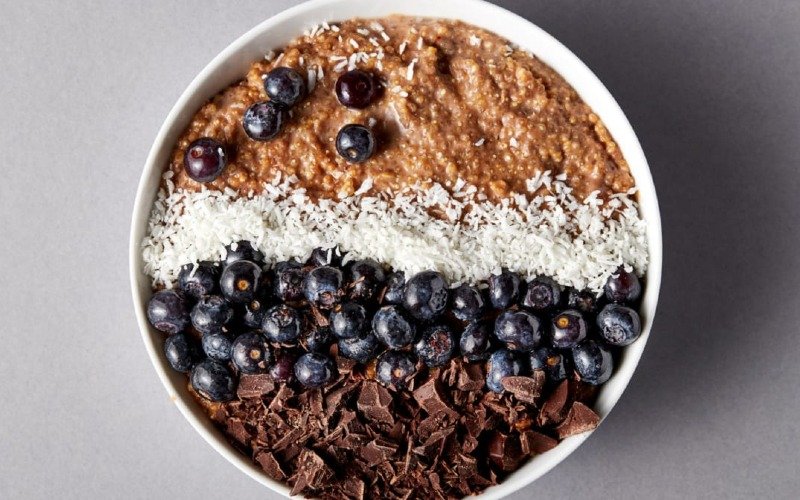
(206, 158)
(286, 319)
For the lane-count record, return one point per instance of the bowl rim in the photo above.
(477, 12)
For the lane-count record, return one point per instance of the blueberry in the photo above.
(281, 324)
(348, 320)
(623, 287)
(543, 294)
(217, 346)
(251, 353)
(583, 300)
(181, 352)
(395, 288)
(323, 286)
(436, 346)
(502, 363)
(167, 312)
(364, 279)
(240, 281)
(253, 316)
(395, 369)
(289, 279)
(474, 342)
(242, 250)
(519, 330)
(355, 143)
(284, 86)
(426, 295)
(593, 362)
(211, 314)
(213, 381)
(553, 363)
(393, 328)
(318, 339)
(360, 349)
(283, 369)
(263, 121)
(204, 159)
(466, 302)
(619, 325)
(326, 257)
(357, 89)
(504, 289)
(314, 370)
(569, 328)
(197, 280)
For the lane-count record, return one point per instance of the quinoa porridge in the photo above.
(397, 260)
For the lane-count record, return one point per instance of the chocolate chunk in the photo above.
(353, 487)
(554, 409)
(430, 398)
(525, 389)
(505, 451)
(580, 419)
(373, 403)
(378, 451)
(471, 377)
(270, 465)
(534, 443)
(255, 386)
(236, 430)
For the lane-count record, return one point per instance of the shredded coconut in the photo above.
(475, 40)
(548, 232)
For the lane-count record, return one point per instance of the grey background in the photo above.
(713, 89)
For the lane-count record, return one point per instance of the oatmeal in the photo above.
(457, 103)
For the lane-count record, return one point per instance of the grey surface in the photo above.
(713, 89)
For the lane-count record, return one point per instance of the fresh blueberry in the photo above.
(583, 300)
(284, 86)
(502, 363)
(181, 352)
(504, 289)
(281, 324)
(395, 369)
(623, 287)
(253, 316)
(326, 257)
(348, 320)
(543, 294)
(283, 369)
(474, 341)
(263, 121)
(426, 295)
(217, 346)
(359, 349)
(211, 314)
(355, 143)
(242, 250)
(167, 312)
(323, 286)
(619, 325)
(212, 380)
(357, 89)
(240, 281)
(205, 159)
(593, 362)
(314, 369)
(519, 330)
(318, 339)
(364, 279)
(197, 280)
(289, 279)
(436, 346)
(395, 288)
(251, 353)
(569, 328)
(393, 328)
(553, 363)
(466, 302)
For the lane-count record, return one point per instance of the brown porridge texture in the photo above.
(473, 109)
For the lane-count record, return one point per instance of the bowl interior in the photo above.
(231, 65)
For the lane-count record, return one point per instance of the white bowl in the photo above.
(232, 64)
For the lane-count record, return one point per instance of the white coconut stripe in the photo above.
(579, 244)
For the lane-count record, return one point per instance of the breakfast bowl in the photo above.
(232, 64)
